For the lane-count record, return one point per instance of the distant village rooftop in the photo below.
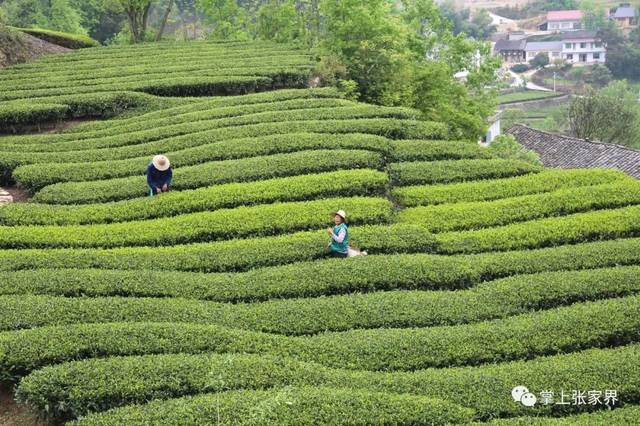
(564, 15)
(570, 153)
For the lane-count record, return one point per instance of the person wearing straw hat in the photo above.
(159, 175)
(339, 245)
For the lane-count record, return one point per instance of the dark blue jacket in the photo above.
(156, 178)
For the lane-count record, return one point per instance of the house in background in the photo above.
(494, 130)
(551, 48)
(512, 51)
(583, 48)
(625, 16)
(562, 20)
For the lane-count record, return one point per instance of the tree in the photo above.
(165, 17)
(610, 115)
(623, 56)
(103, 19)
(228, 20)
(541, 60)
(138, 14)
(278, 20)
(50, 14)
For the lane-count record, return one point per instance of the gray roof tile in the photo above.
(569, 153)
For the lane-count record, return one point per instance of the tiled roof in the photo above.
(625, 12)
(564, 15)
(579, 35)
(534, 46)
(502, 45)
(569, 153)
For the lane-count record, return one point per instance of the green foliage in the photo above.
(278, 20)
(506, 146)
(71, 41)
(541, 60)
(225, 256)
(31, 297)
(609, 115)
(459, 216)
(520, 68)
(571, 229)
(532, 334)
(229, 21)
(290, 405)
(105, 383)
(422, 172)
(495, 189)
(57, 15)
(305, 187)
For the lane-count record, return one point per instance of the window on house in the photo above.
(596, 56)
(570, 56)
(568, 45)
(583, 57)
(583, 45)
(597, 44)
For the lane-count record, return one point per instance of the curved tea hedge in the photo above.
(71, 388)
(304, 187)
(289, 405)
(219, 303)
(533, 334)
(212, 173)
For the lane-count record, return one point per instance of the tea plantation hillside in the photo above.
(216, 303)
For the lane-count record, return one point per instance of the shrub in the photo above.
(289, 405)
(232, 255)
(419, 172)
(460, 216)
(532, 334)
(38, 176)
(520, 68)
(223, 224)
(506, 146)
(624, 415)
(74, 388)
(501, 298)
(420, 150)
(495, 189)
(211, 173)
(71, 41)
(296, 188)
(575, 228)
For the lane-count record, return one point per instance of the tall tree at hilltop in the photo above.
(138, 15)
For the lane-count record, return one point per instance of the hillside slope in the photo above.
(216, 303)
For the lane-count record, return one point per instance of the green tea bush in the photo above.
(289, 405)
(38, 176)
(220, 256)
(495, 189)
(571, 229)
(75, 388)
(212, 173)
(421, 150)
(460, 216)
(418, 172)
(296, 188)
(558, 330)
(71, 41)
(223, 224)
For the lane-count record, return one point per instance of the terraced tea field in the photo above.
(216, 303)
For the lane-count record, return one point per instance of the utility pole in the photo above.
(554, 81)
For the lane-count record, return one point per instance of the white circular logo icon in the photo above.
(518, 391)
(528, 399)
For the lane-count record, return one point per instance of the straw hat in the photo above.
(161, 163)
(342, 214)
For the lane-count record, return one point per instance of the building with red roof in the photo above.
(562, 20)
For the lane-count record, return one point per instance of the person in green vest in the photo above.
(339, 245)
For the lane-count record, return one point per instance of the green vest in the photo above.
(340, 247)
